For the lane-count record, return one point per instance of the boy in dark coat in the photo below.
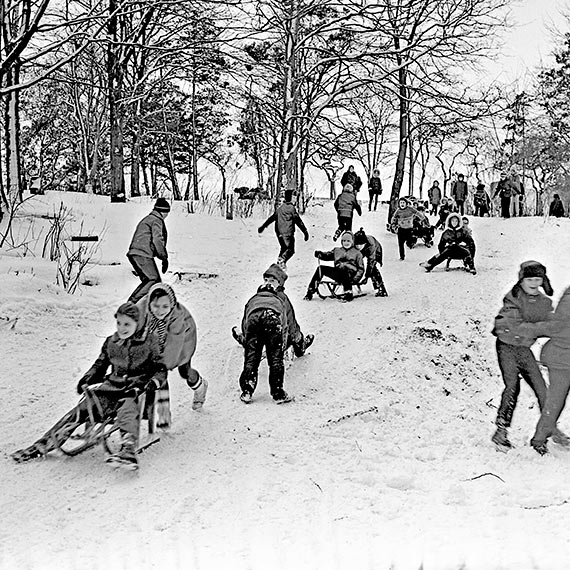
(295, 337)
(374, 189)
(371, 249)
(286, 218)
(556, 207)
(444, 211)
(264, 324)
(455, 243)
(134, 362)
(345, 204)
(523, 306)
(149, 241)
(348, 267)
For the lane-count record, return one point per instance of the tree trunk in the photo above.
(115, 86)
(136, 155)
(12, 137)
(403, 136)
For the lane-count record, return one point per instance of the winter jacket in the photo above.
(293, 328)
(353, 179)
(286, 218)
(518, 308)
(265, 298)
(556, 352)
(481, 198)
(346, 203)
(452, 236)
(505, 189)
(179, 327)
(459, 190)
(375, 185)
(133, 361)
(372, 251)
(556, 208)
(149, 239)
(349, 259)
(434, 195)
(404, 217)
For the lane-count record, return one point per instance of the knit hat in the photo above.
(536, 269)
(347, 234)
(360, 237)
(348, 188)
(129, 310)
(162, 205)
(277, 273)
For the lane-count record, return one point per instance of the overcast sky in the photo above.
(529, 42)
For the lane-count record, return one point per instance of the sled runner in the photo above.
(190, 275)
(327, 288)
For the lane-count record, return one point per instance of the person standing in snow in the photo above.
(149, 241)
(459, 192)
(371, 249)
(374, 189)
(556, 207)
(505, 190)
(481, 201)
(350, 177)
(455, 243)
(264, 324)
(403, 222)
(127, 366)
(295, 337)
(345, 204)
(285, 219)
(171, 324)
(348, 267)
(524, 305)
(434, 195)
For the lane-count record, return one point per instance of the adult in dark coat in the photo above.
(556, 207)
(345, 205)
(374, 189)
(350, 177)
(285, 218)
(459, 193)
(455, 243)
(149, 241)
(506, 191)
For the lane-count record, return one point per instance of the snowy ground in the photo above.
(413, 481)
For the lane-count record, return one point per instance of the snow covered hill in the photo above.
(384, 460)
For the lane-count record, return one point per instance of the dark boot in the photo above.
(500, 438)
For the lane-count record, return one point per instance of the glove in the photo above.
(318, 254)
(259, 230)
(164, 265)
(306, 237)
(81, 386)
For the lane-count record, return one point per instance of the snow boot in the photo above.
(560, 438)
(199, 393)
(239, 338)
(126, 458)
(308, 341)
(540, 448)
(337, 234)
(501, 439)
(308, 295)
(426, 266)
(246, 397)
(284, 399)
(35, 451)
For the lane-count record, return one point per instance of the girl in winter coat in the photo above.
(434, 195)
(524, 308)
(371, 249)
(174, 329)
(403, 223)
(348, 267)
(133, 360)
(455, 243)
(345, 204)
(374, 189)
